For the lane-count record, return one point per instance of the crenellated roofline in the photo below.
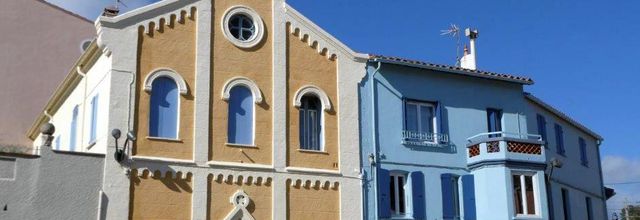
(316, 37)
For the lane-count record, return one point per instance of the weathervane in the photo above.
(454, 31)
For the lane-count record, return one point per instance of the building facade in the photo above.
(245, 109)
(54, 40)
(442, 142)
(233, 110)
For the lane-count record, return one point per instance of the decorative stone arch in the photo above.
(311, 89)
(241, 81)
(169, 73)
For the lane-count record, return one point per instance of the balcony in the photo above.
(424, 139)
(503, 146)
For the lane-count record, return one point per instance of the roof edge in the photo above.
(64, 89)
(452, 69)
(561, 115)
(65, 11)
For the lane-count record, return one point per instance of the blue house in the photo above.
(445, 142)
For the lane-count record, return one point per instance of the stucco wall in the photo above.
(56, 185)
(173, 47)
(220, 192)
(312, 202)
(306, 67)
(229, 61)
(464, 99)
(581, 181)
(37, 58)
(96, 82)
(166, 197)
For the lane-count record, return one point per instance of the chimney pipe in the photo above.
(110, 11)
(468, 61)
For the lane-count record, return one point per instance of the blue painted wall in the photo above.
(580, 181)
(464, 100)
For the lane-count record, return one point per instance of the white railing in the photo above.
(423, 139)
(505, 134)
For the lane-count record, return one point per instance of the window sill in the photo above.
(524, 217)
(240, 165)
(162, 159)
(164, 139)
(313, 151)
(241, 145)
(311, 170)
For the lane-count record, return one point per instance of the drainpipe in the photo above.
(374, 163)
(604, 195)
(84, 102)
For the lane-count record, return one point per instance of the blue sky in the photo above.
(581, 53)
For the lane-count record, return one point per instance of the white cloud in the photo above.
(622, 172)
(618, 169)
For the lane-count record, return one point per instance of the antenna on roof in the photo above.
(119, 2)
(454, 32)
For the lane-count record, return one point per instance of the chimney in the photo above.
(110, 11)
(468, 60)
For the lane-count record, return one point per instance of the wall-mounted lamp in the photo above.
(554, 163)
(372, 159)
(120, 153)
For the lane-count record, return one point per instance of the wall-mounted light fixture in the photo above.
(120, 153)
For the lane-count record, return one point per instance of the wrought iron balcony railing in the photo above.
(423, 139)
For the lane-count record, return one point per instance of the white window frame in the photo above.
(183, 90)
(326, 107)
(523, 193)
(434, 121)
(257, 22)
(256, 100)
(396, 193)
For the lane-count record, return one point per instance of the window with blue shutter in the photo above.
(450, 203)
(163, 119)
(418, 196)
(74, 129)
(494, 121)
(310, 123)
(384, 200)
(94, 119)
(583, 152)
(542, 128)
(559, 139)
(240, 127)
(469, 197)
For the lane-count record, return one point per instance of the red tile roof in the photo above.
(455, 69)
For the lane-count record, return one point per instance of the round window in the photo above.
(242, 26)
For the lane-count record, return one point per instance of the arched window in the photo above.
(310, 122)
(163, 118)
(240, 127)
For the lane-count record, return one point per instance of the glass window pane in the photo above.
(412, 117)
(531, 208)
(517, 194)
(302, 129)
(240, 120)
(313, 130)
(163, 119)
(393, 196)
(401, 198)
(426, 119)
